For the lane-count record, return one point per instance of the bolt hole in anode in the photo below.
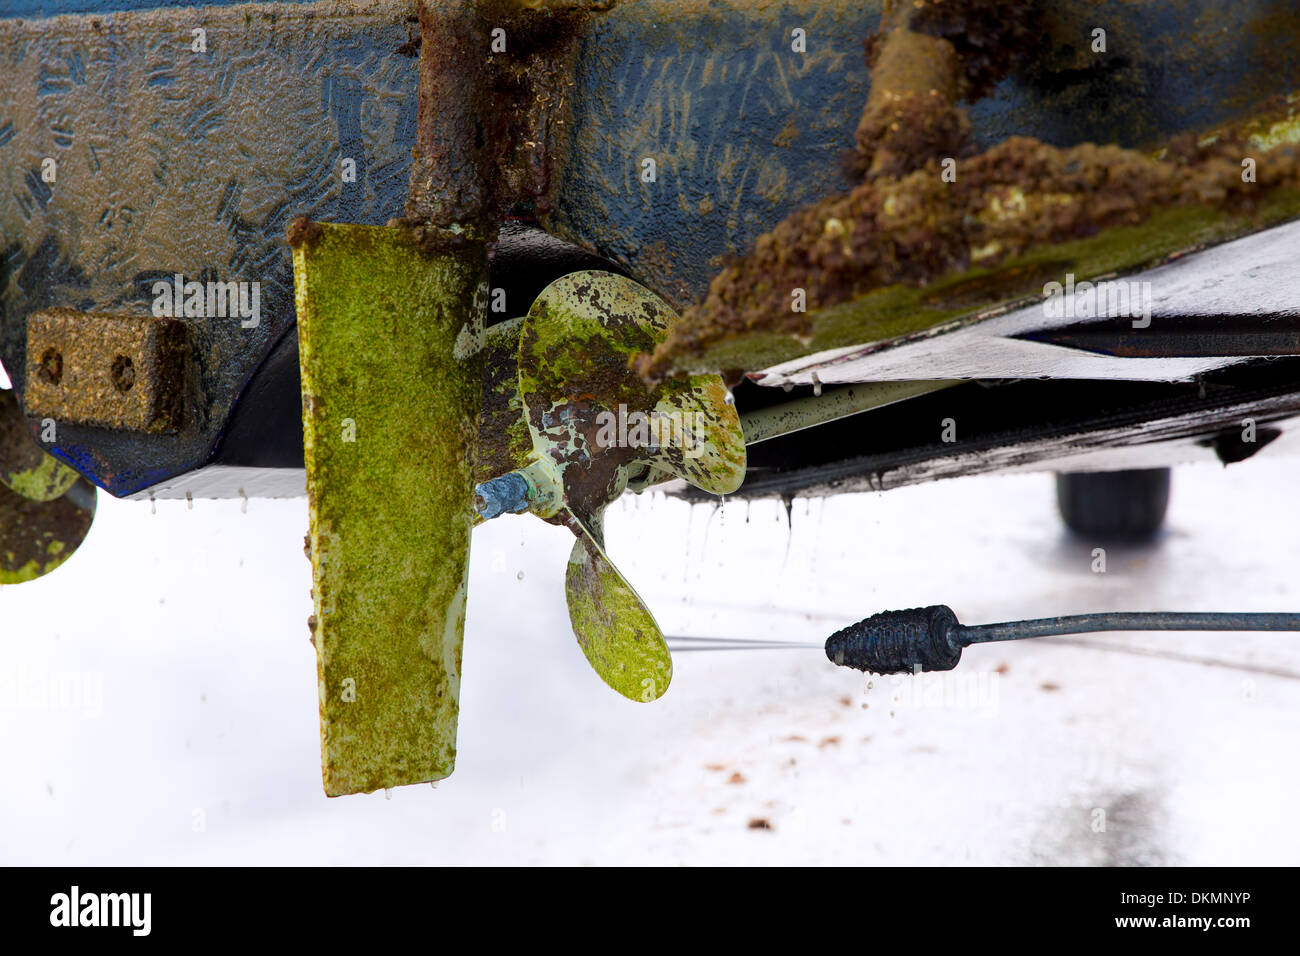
(52, 366)
(123, 373)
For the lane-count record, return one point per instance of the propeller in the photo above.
(593, 429)
(46, 508)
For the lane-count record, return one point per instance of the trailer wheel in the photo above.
(1118, 505)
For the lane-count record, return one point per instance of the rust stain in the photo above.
(489, 118)
(926, 56)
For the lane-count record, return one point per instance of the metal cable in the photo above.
(1124, 621)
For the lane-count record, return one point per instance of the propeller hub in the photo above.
(497, 496)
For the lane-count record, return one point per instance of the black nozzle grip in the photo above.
(898, 642)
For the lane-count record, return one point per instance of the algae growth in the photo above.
(389, 484)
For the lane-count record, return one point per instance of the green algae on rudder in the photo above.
(390, 420)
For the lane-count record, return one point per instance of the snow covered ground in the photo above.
(190, 735)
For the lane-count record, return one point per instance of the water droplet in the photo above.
(817, 385)
(519, 576)
(189, 501)
(714, 508)
(243, 507)
(690, 520)
(388, 793)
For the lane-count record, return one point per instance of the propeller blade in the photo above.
(702, 441)
(615, 629)
(38, 536)
(25, 468)
(586, 405)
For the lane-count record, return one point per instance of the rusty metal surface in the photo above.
(112, 371)
(495, 77)
(172, 161)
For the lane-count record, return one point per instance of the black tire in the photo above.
(1114, 505)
